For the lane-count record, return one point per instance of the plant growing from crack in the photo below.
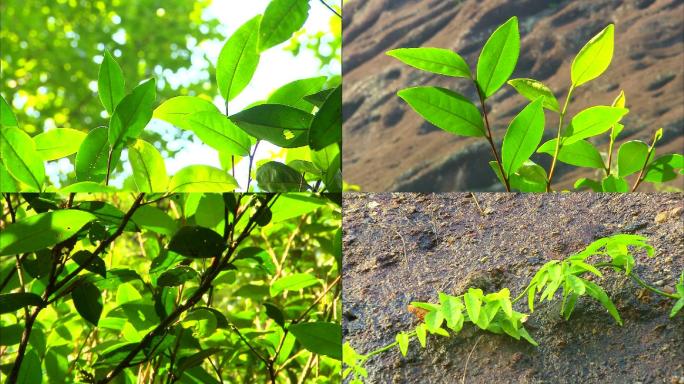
(512, 165)
(493, 312)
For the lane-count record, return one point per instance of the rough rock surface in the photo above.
(407, 247)
(389, 147)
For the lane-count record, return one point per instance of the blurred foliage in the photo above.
(50, 52)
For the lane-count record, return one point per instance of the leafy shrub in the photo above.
(454, 113)
(493, 312)
(171, 288)
(304, 114)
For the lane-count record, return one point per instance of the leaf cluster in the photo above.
(512, 162)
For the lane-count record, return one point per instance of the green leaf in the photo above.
(594, 58)
(215, 130)
(318, 98)
(570, 302)
(278, 177)
(326, 126)
(576, 283)
(523, 136)
(238, 60)
(631, 157)
(30, 371)
(421, 334)
(155, 220)
(580, 153)
(473, 303)
(433, 320)
(93, 264)
(588, 184)
(613, 183)
(148, 167)
(42, 230)
(281, 19)
(274, 312)
(599, 294)
(452, 309)
(197, 242)
(294, 93)
(294, 282)
(403, 341)
(110, 83)
(664, 168)
(445, 109)
(176, 109)
(7, 182)
(532, 89)
(202, 178)
(7, 118)
(132, 114)
(435, 60)
(679, 304)
(57, 143)
(284, 126)
(319, 337)
(91, 158)
(88, 301)
(18, 153)
(591, 122)
(498, 57)
(176, 276)
(12, 302)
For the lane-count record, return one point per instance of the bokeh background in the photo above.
(50, 51)
(390, 147)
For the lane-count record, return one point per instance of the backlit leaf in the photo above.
(132, 114)
(42, 230)
(218, 132)
(281, 19)
(92, 155)
(435, 60)
(532, 89)
(202, 178)
(631, 157)
(581, 153)
(594, 58)
(294, 282)
(445, 109)
(57, 143)
(284, 126)
(18, 153)
(498, 57)
(613, 183)
(523, 136)
(110, 83)
(176, 109)
(591, 122)
(149, 171)
(294, 93)
(278, 177)
(319, 337)
(326, 126)
(238, 60)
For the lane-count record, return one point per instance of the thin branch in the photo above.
(558, 138)
(640, 177)
(331, 8)
(490, 138)
(251, 162)
(465, 368)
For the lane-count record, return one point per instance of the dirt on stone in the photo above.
(408, 247)
(389, 147)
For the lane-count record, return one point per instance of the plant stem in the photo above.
(490, 137)
(558, 137)
(638, 280)
(205, 284)
(640, 177)
(331, 8)
(251, 161)
(109, 166)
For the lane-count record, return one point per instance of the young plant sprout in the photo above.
(512, 165)
(493, 312)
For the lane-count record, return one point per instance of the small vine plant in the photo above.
(455, 113)
(494, 311)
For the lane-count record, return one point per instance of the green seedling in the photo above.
(493, 312)
(512, 165)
